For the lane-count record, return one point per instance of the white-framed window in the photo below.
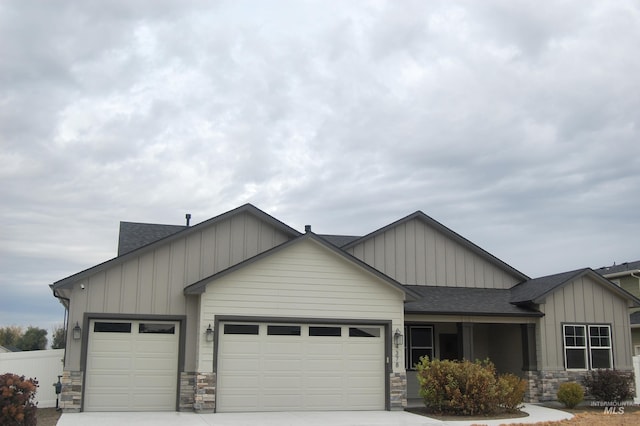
(587, 346)
(418, 343)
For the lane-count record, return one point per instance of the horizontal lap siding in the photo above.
(304, 280)
(416, 254)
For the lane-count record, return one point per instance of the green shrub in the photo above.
(467, 388)
(609, 385)
(16, 400)
(570, 394)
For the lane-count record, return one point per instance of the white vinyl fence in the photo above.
(44, 366)
(636, 372)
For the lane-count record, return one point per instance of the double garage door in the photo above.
(296, 367)
(131, 366)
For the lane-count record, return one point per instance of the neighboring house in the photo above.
(244, 313)
(627, 276)
(7, 349)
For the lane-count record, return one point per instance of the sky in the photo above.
(514, 123)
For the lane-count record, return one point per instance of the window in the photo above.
(325, 331)
(364, 332)
(156, 328)
(587, 346)
(112, 327)
(419, 343)
(600, 346)
(241, 328)
(283, 330)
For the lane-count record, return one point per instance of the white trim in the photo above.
(587, 347)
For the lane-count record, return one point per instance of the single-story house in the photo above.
(627, 276)
(241, 312)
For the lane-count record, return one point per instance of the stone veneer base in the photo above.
(543, 385)
(205, 393)
(71, 396)
(398, 391)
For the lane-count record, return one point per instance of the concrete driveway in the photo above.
(324, 418)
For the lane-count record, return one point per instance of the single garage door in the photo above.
(297, 367)
(131, 366)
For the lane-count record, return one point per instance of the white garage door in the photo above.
(131, 366)
(290, 367)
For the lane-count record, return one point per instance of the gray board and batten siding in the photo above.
(417, 250)
(164, 268)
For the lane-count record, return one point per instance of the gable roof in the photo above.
(536, 290)
(466, 301)
(626, 268)
(200, 286)
(419, 215)
(247, 208)
(134, 235)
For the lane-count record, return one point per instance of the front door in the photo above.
(449, 346)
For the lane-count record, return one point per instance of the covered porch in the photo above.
(468, 323)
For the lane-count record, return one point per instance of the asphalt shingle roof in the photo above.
(531, 290)
(134, 235)
(339, 240)
(466, 301)
(615, 269)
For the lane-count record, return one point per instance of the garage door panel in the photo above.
(301, 372)
(282, 346)
(325, 348)
(282, 364)
(148, 363)
(109, 345)
(107, 380)
(242, 347)
(276, 383)
(282, 402)
(148, 402)
(324, 383)
(153, 380)
(106, 401)
(237, 381)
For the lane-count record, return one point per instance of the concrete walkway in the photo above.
(316, 418)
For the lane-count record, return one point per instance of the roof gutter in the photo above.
(623, 273)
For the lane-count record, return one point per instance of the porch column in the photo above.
(529, 361)
(465, 341)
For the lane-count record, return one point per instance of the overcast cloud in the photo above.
(516, 124)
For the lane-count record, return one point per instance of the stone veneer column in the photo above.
(205, 395)
(398, 391)
(71, 395)
(187, 391)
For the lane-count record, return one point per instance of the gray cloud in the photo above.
(514, 124)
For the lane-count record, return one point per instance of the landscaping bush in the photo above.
(16, 400)
(609, 385)
(570, 394)
(511, 390)
(467, 388)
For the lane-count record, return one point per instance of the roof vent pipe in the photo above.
(307, 228)
(188, 216)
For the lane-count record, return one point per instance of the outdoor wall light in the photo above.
(398, 338)
(209, 334)
(77, 332)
